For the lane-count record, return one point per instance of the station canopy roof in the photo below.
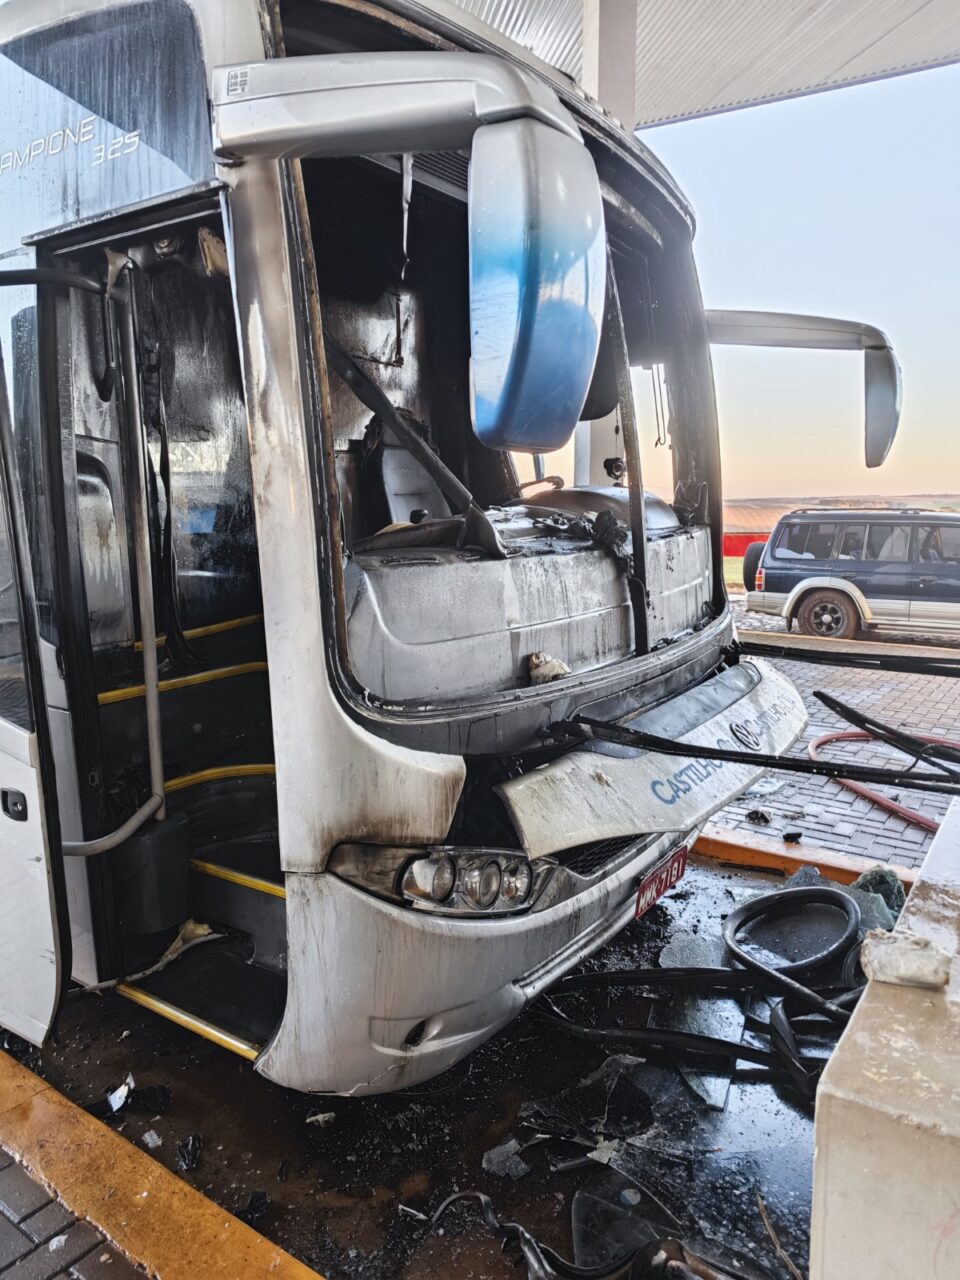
(699, 57)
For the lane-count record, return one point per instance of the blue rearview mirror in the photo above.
(535, 212)
(537, 283)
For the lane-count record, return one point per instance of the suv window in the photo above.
(805, 541)
(888, 542)
(852, 542)
(790, 542)
(936, 542)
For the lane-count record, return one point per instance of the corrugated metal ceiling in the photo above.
(702, 56)
(549, 28)
(697, 57)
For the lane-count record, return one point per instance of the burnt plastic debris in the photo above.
(781, 1055)
(710, 1166)
(505, 1161)
(150, 1100)
(704, 1013)
(776, 938)
(611, 1217)
(255, 1208)
(607, 1104)
(853, 975)
(114, 1101)
(708, 1137)
(690, 1172)
(660, 1259)
(188, 1152)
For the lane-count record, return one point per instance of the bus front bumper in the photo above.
(381, 996)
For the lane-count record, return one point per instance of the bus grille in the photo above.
(589, 859)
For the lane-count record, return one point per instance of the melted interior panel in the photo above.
(442, 623)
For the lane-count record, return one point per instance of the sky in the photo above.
(846, 204)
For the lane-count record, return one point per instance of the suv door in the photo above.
(34, 949)
(883, 570)
(936, 575)
(800, 549)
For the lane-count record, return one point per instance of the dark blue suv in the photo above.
(835, 572)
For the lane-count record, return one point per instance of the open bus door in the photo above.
(34, 939)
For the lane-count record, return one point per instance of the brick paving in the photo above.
(40, 1239)
(830, 816)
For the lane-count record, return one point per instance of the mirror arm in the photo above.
(882, 387)
(424, 100)
(785, 329)
(478, 531)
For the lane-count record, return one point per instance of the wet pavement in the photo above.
(337, 1192)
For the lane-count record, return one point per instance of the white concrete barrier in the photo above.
(886, 1196)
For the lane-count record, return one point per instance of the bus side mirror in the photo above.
(882, 385)
(535, 214)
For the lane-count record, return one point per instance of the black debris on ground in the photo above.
(188, 1152)
(641, 1152)
(255, 1208)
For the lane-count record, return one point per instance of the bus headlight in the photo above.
(490, 881)
(451, 879)
(517, 882)
(482, 884)
(444, 879)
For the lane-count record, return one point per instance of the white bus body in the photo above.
(287, 292)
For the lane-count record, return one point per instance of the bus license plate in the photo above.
(660, 880)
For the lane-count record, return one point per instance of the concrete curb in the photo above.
(743, 849)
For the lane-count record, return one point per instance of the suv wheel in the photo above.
(751, 562)
(830, 615)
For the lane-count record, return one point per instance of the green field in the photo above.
(733, 572)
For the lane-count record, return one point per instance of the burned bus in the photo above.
(291, 296)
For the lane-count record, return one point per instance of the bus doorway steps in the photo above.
(217, 992)
(238, 884)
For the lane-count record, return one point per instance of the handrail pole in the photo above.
(148, 628)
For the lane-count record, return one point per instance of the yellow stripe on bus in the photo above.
(221, 771)
(188, 1020)
(213, 629)
(238, 877)
(109, 696)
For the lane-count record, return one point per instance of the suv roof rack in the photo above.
(871, 511)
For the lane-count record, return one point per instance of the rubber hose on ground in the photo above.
(876, 797)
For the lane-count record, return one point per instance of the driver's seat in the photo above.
(407, 486)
